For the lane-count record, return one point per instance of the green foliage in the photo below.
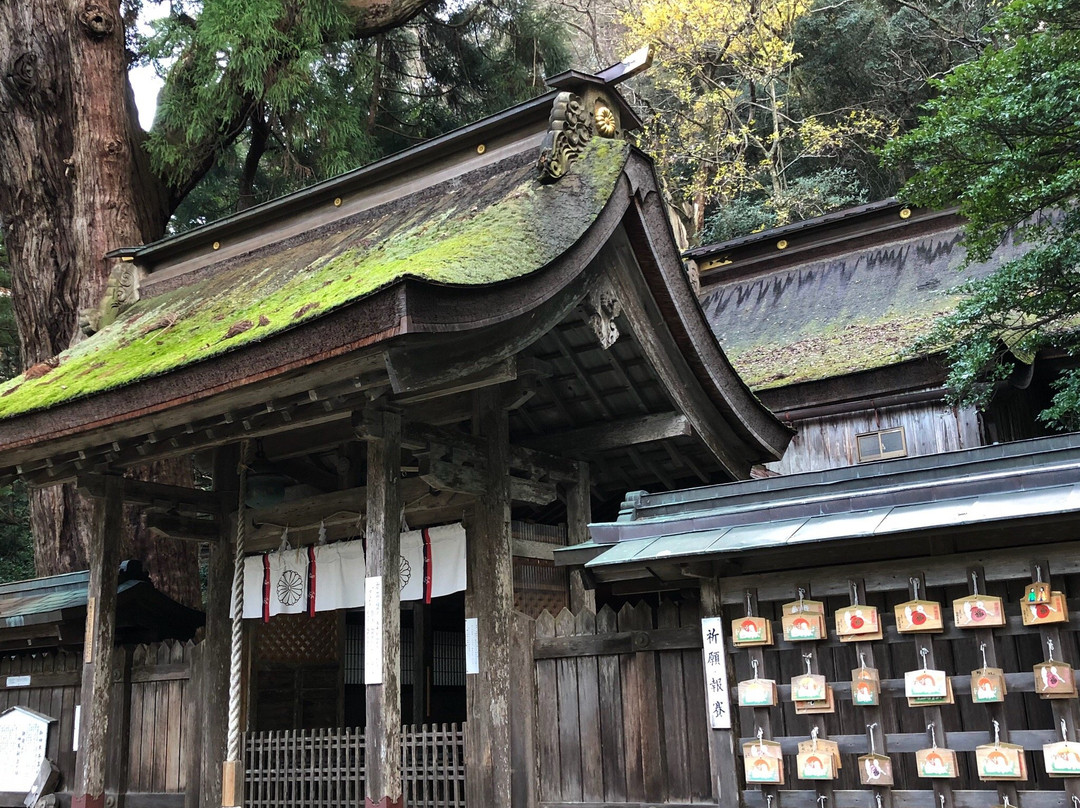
(803, 198)
(281, 95)
(1000, 141)
(16, 543)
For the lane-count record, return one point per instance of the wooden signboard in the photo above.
(936, 762)
(918, 617)
(24, 736)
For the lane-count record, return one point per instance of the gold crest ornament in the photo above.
(1000, 761)
(1054, 679)
(757, 692)
(1062, 758)
(763, 762)
(935, 762)
(987, 684)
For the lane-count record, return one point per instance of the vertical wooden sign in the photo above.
(718, 702)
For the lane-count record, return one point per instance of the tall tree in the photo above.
(1000, 141)
(81, 178)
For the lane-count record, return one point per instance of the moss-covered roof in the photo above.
(491, 225)
(849, 313)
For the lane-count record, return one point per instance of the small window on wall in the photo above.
(881, 445)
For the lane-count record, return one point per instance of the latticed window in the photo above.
(881, 444)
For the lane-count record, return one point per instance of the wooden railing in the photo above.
(325, 767)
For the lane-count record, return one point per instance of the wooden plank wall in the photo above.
(826, 443)
(164, 718)
(160, 747)
(324, 768)
(54, 691)
(621, 706)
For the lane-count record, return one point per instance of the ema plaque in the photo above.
(24, 735)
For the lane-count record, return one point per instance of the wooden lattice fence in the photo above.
(325, 767)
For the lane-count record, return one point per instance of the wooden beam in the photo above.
(99, 647)
(490, 600)
(473, 481)
(154, 495)
(502, 371)
(615, 434)
(184, 528)
(382, 784)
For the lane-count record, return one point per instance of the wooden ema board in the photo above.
(981, 686)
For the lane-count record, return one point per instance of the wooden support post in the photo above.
(578, 516)
(724, 755)
(382, 616)
(996, 711)
(215, 647)
(491, 601)
(94, 730)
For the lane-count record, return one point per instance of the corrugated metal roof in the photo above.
(895, 520)
(20, 609)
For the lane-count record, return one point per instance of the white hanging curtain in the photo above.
(328, 577)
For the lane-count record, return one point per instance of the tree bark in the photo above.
(74, 184)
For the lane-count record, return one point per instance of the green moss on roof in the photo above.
(837, 351)
(829, 317)
(492, 225)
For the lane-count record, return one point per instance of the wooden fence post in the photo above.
(523, 754)
(116, 766)
(94, 730)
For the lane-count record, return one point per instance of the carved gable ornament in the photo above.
(121, 292)
(573, 123)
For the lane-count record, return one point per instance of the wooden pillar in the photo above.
(382, 615)
(578, 516)
(723, 743)
(215, 647)
(98, 651)
(491, 602)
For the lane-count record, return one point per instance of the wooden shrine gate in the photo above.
(621, 707)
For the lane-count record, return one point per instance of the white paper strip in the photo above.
(373, 631)
(717, 700)
(472, 645)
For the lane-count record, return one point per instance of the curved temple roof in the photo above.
(484, 227)
(418, 273)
